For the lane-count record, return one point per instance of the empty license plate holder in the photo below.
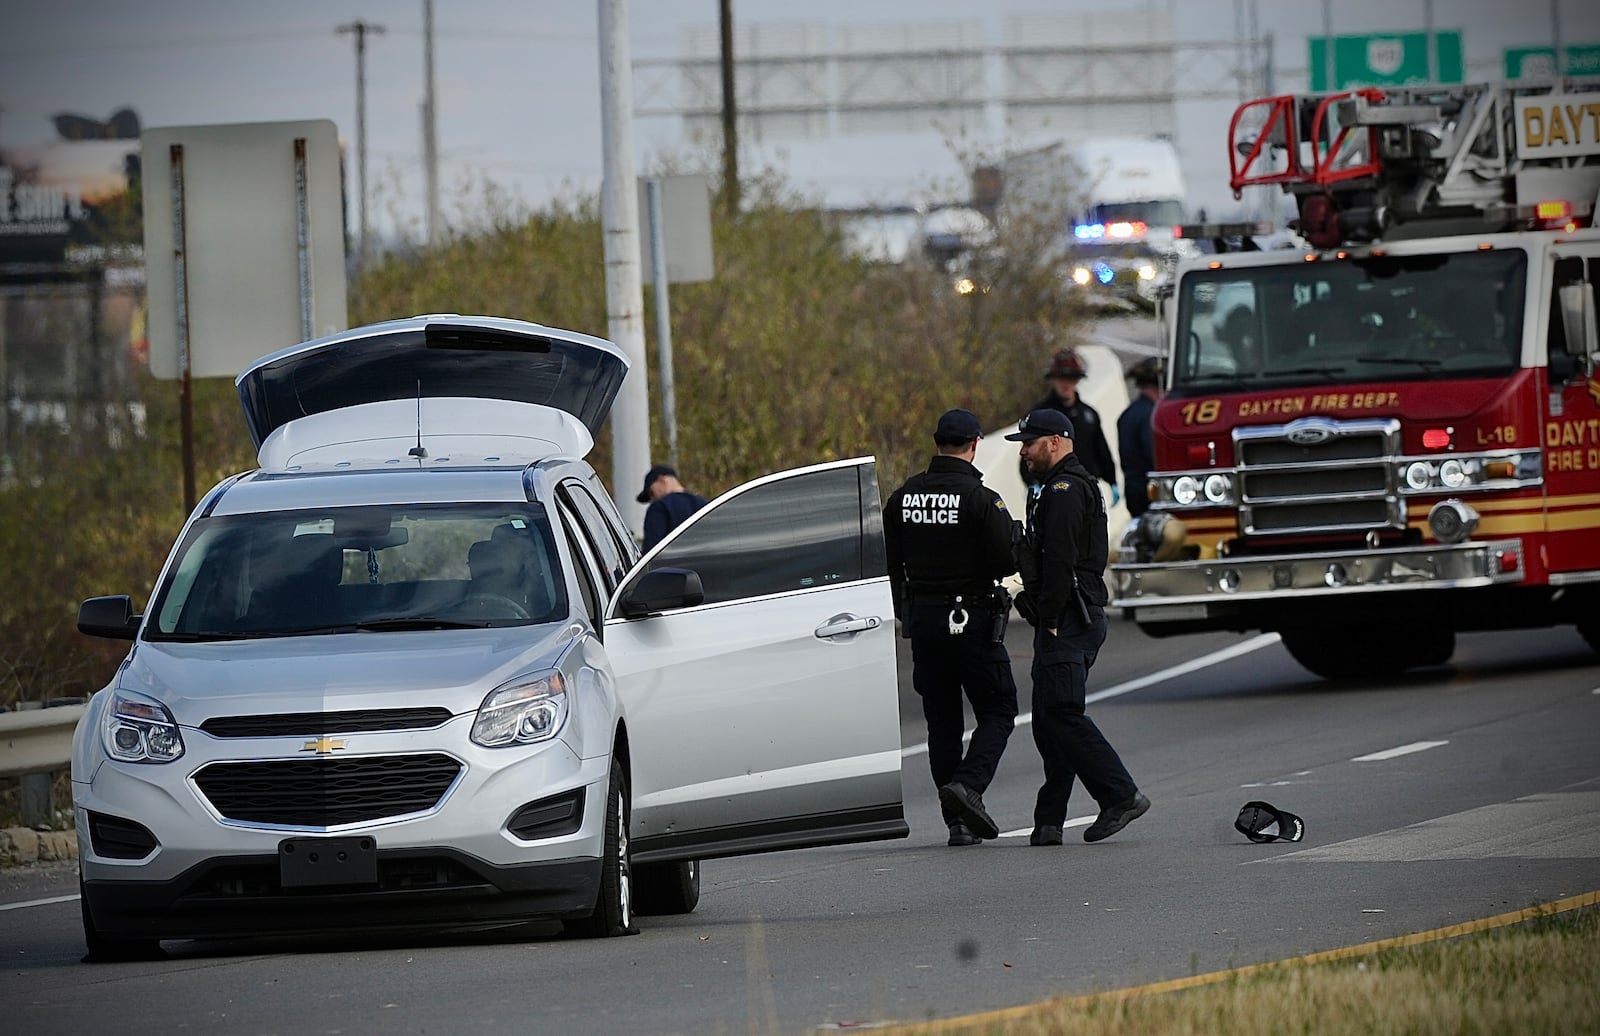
(306, 862)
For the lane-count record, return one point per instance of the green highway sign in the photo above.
(1540, 62)
(1385, 59)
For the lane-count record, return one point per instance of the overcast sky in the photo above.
(518, 80)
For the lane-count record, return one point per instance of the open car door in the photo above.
(764, 716)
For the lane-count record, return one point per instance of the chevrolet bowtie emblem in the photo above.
(323, 746)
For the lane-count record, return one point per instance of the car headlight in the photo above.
(1185, 490)
(1080, 275)
(137, 729)
(1147, 272)
(524, 711)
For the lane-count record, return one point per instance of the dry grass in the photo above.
(1542, 977)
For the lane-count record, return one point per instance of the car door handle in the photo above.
(841, 624)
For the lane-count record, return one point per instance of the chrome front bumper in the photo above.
(1188, 590)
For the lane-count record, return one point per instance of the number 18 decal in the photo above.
(1204, 411)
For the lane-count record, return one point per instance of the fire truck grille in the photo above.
(1318, 476)
(327, 792)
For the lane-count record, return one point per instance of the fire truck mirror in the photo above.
(1578, 320)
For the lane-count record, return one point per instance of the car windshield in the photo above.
(361, 569)
(1352, 320)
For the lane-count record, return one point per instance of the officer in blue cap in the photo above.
(1063, 563)
(948, 539)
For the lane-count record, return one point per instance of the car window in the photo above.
(338, 569)
(583, 567)
(597, 531)
(798, 533)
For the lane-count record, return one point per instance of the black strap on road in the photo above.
(1262, 822)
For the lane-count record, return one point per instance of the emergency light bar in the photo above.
(1120, 231)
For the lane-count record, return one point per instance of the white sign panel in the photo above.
(259, 225)
(686, 212)
(1557, 125)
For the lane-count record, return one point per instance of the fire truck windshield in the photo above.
(1388, 318)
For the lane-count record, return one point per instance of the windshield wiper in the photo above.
(1426, 363)
(204, 635)
(411, 622)
(1221, 376)
(1329, 371)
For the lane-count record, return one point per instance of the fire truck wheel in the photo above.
(1432, 647)
(1368, 654)
(1589, 629)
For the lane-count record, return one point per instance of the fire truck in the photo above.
(1391, 434)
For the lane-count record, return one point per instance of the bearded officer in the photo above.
(948, 539)
(1063, 596)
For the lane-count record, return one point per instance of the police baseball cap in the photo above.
(1040, 423)
(1262, 822)
(649, 479)
(957, 426)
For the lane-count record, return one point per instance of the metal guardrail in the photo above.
(37, 740)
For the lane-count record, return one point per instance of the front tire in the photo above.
(666, 888)
(613, 908)
(1589, 630)
(1356, 654)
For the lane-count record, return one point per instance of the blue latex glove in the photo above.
(1116, 495)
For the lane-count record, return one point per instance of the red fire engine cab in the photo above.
(1375, 442)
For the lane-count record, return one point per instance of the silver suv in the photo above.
(412, 671)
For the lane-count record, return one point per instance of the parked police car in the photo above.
(412, 671)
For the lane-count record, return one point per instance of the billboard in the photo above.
(74, 199)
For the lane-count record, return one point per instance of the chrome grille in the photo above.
(1317, 475)
(326, 793)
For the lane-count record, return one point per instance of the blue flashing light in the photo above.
(1103, 273)
(1089, 231)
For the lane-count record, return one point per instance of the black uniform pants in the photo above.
(1069, 742)
(943, 666)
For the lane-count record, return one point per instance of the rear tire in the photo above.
(613, 908)
(104, 948)
(666, 888)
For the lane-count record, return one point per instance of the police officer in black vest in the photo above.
(949, 541)
(1063, 563)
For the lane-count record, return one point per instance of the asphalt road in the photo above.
(1455, 793)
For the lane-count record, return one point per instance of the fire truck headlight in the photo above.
(1453, 474)
(1452, 521)
(1219, 489)
(1419, 475)
(1080, 276)
(1185, 490)
(1147, 272)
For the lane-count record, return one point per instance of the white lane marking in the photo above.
(37, 902)
(1391, 753)
(1194, 665)
(1024, 831)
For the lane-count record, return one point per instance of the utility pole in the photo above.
(730, 115)
(430, 128)
(619, 218)
(360, 29)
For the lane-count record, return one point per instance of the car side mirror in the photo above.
(1578, 321)
(662, 589)
(110, 617)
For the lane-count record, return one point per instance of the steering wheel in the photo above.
(487, 605)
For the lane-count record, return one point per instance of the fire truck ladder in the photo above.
(1375, 157)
